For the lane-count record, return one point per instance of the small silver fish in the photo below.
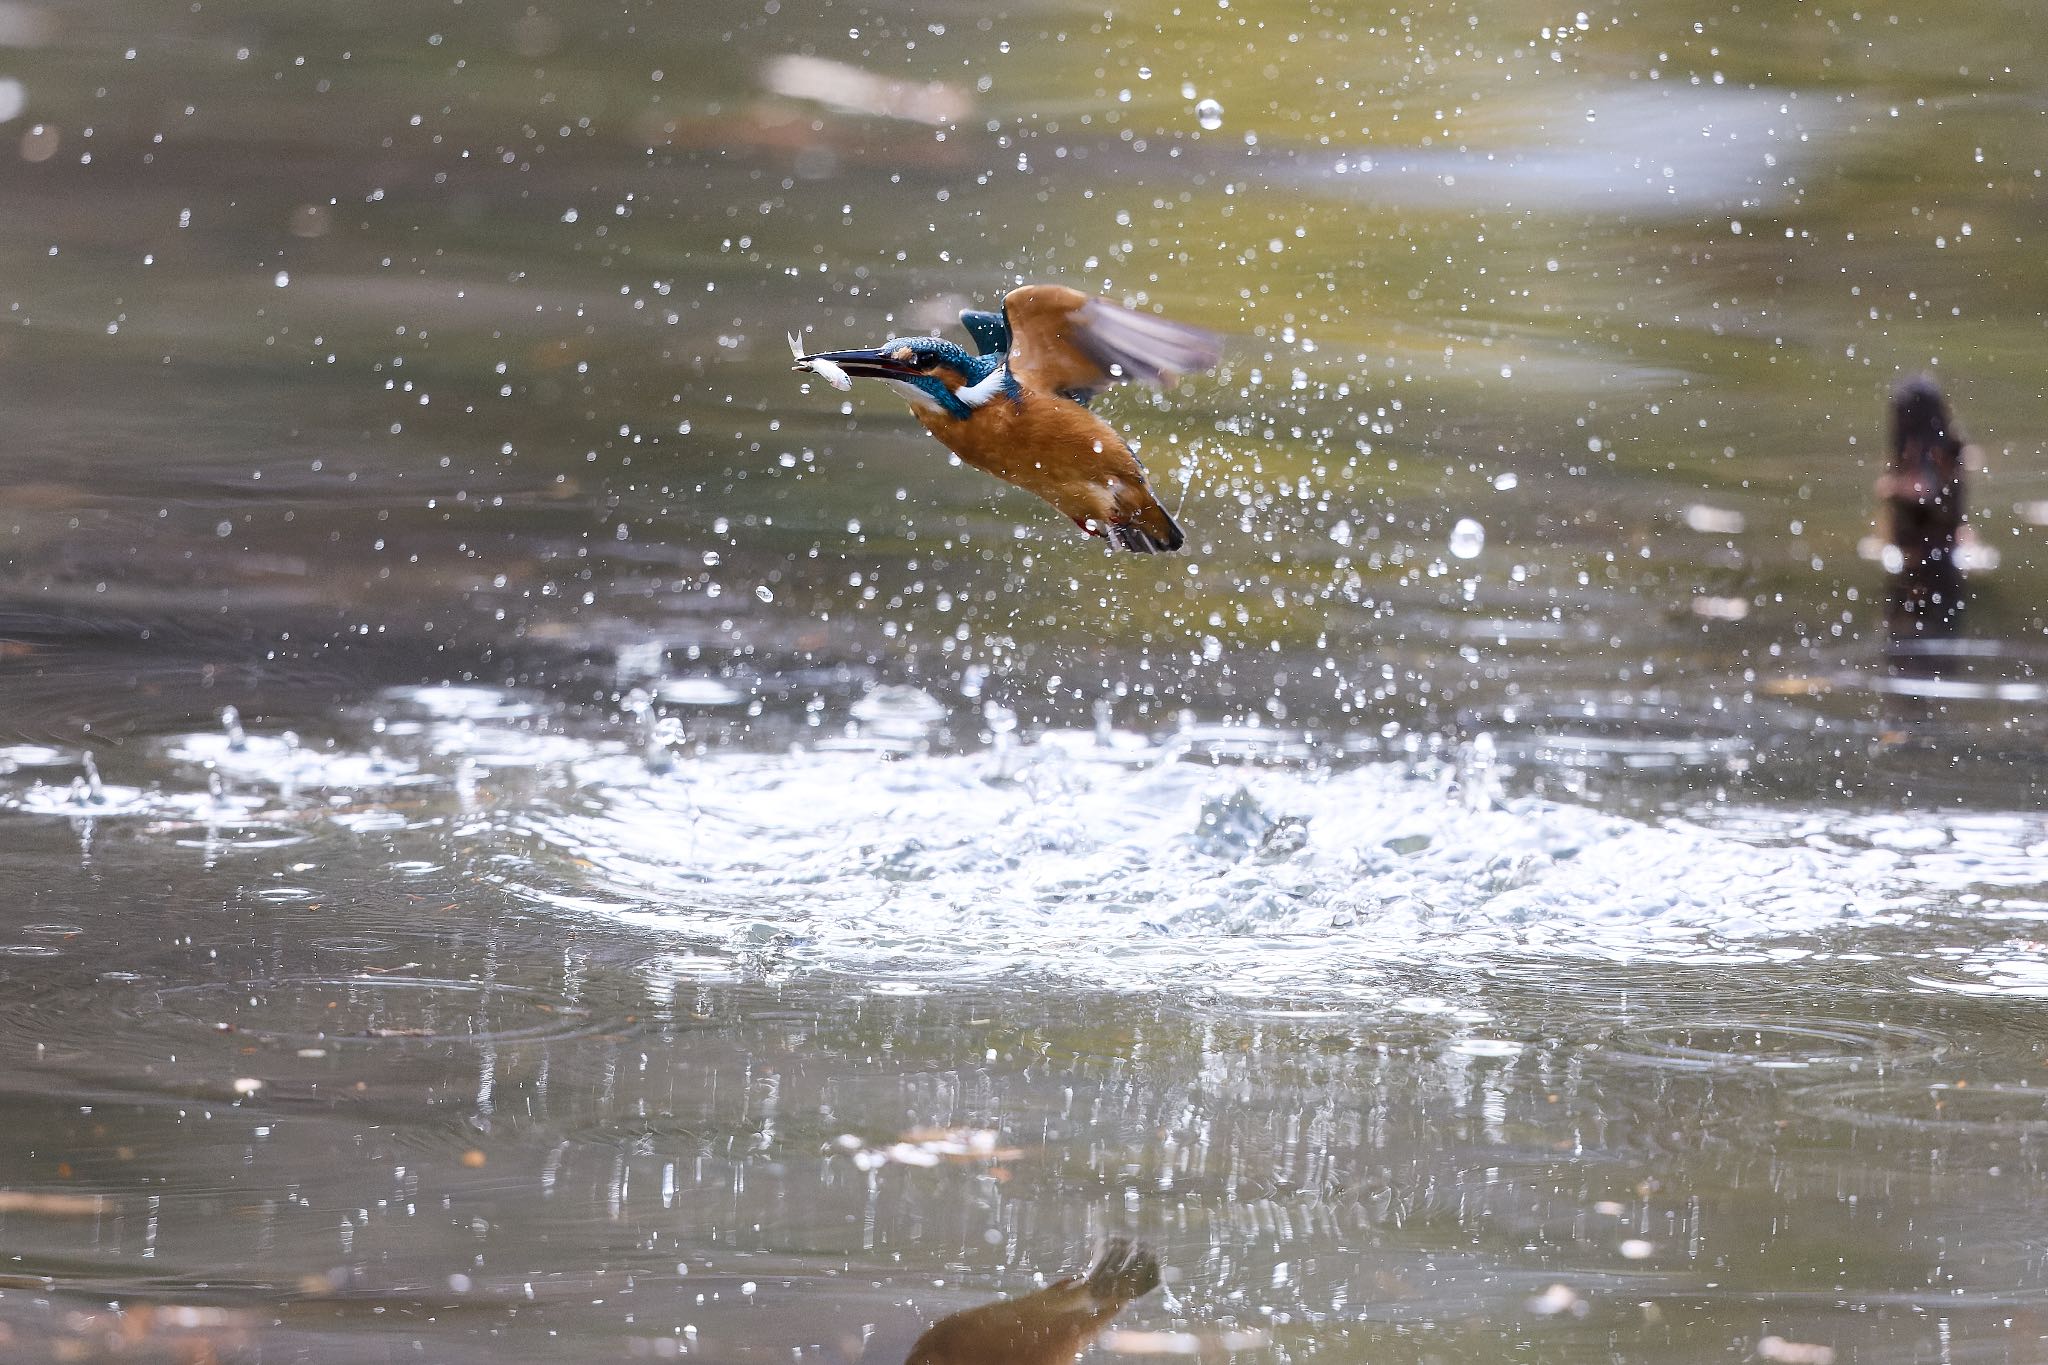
(824, 369)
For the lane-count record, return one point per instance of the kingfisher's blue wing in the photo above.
(990, 332)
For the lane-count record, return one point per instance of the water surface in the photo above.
(537, 832)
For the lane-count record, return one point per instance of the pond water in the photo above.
(538, 833)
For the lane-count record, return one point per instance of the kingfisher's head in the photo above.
(930, 372)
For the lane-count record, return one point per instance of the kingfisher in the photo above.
(1018, 409)
(1048, 1327)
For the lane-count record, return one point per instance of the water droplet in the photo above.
(1504, 482)
(1468, 538)
(1209, 114)
(765, 593)
(284, 277)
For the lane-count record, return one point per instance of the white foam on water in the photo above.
(1221, 858)
(1056, 860)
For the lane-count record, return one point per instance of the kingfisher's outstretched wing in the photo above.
(1065, 342)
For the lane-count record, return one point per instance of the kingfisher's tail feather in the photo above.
(1126, 1270)
(1150, 530)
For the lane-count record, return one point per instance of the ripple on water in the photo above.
(649, 1135)
(354, 943)
(2015, 971)
(1737, 1044)
(673, 971)
(1702, 989)
(224, 815)
(1484, 1047)
(280, 762)
(79, 801)
(244, 836)
(1610, 751)
(16, 756)
(446, 947)
(1932, 1107)
(698, 691)
(453, 701)
(369, 1010)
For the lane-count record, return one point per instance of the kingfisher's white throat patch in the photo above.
(917, 396)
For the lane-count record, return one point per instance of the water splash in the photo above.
(1063, 858)
(88, 790)
(1241, 860)
(1468, 538)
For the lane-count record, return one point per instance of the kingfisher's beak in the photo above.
(863, 363)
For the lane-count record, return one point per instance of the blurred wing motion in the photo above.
(1046, 1328)
(1062, 341)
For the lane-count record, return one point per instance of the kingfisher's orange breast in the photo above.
(1047, 445)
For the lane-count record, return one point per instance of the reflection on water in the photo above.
(532, 835)
(1923, 496)
(1048, 1326)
